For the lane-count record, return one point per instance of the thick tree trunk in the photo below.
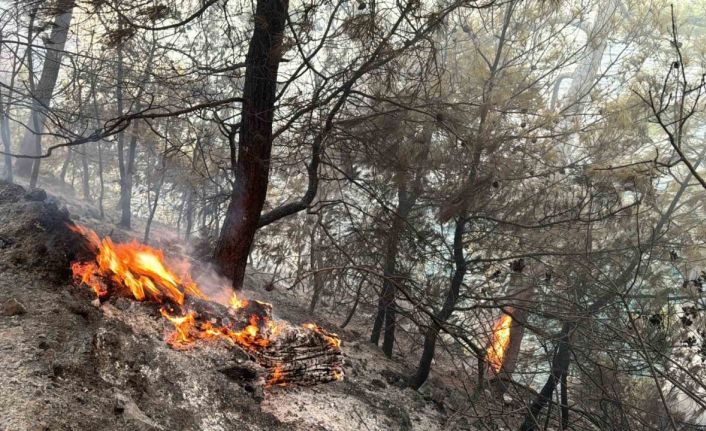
(255, 141)
(31, 143)
(446, 310)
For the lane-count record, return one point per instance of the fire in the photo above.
(331, 339)
(137, 267)
(236, 302)
(141, 272)
(183, 326)
(277, 377)
(495, 354)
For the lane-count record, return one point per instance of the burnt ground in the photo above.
(69, 364)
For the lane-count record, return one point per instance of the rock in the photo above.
(12, 307)
(258, 394)
(243, 372)
(10, 192)
(36, 195)
(122, 303)
(125, 406)
(393, 378)
(5, 242)
(398, 415)
(463, 424)
(40, 426)
(378, 383)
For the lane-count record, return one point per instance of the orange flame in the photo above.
(495, 354)
(236, 302)
(137, 267)
(277, 377)
(142, 273)
(331, 339)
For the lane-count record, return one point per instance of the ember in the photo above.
(140, 272)
(495, 354)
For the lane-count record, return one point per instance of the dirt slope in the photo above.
(70, 365)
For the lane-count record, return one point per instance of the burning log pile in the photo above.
(288, 354)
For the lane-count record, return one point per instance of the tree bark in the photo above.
(255, 140)
(351, 313)
(42, 93)
(97, 114)
(127, 166)
(189, 214)
(5, 135)
(446, 310)
(153, 208)
(86, 175)
(101, 194)
(126, 180)
(560, 365)
(564, 403)
(316, 264)
(386, 300)
(407, 194)
(65, 165)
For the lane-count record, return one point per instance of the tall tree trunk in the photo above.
(189, 214)
(101, 195)
(120, 76)
(351, 313)
(560, 365)
(407, 194)
(86, 175)
(386, 301)
(182, 205)
(446, 310)
(153, 208)
(42, 93)
(96, 112)
(6, 139)
(316, 263)
(564, 403)
(65, 165)
(255, 140)
(126, 165)
(520, 293)
(127, 177)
